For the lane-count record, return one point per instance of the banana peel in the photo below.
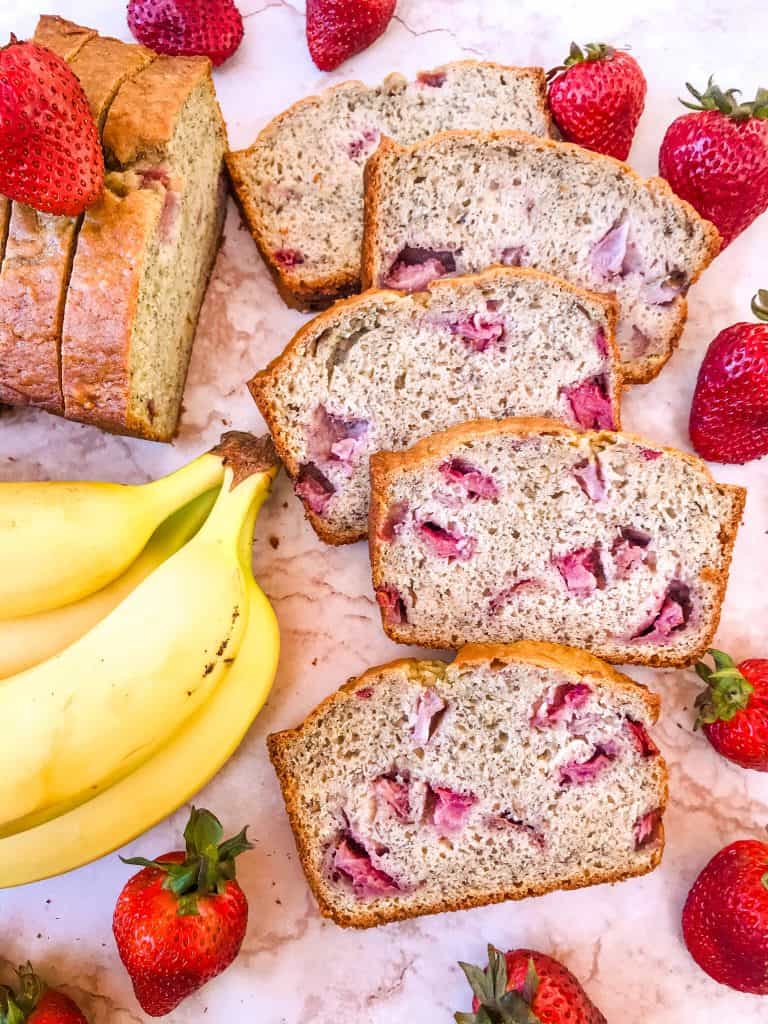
(167, 780)
(88, 717)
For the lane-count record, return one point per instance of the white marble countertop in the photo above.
(623, 941)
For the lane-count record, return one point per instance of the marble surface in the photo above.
(623, 941)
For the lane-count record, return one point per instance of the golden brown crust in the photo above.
(40, 247)
(383, 464)
(262, 382)
(63, 37)
(143, 117)
(545, 655)
(317, 293)
(112, 246)
(639, 372)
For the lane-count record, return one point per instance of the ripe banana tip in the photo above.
(246, 455)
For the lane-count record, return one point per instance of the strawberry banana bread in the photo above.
(301, 183)
(40, 246)
(364, 376)
(528, 529)
(145, 252)
(514, 771)
(465, 200)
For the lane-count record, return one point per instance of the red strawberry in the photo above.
(36, 1004)
(187, 28)
(524, 987)
(597, 97)
(338, 29)
(733, 710)
(729, 412)
(725, 918)
(717, 158)
(181, 921)
(50, 153)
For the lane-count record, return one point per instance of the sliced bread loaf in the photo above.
(300, 184)
(63, 37)
(383, 369)
(594, 539)
(40, 246)
(516, 770)
(463, 201)
(145, 252)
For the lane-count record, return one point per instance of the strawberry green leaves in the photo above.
(497, 1005)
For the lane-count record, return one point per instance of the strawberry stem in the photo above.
(577, 55)
(727, 691)
(497, 1005)
(208, 865)
(760, 304)
(16, 1008)
(728, 102)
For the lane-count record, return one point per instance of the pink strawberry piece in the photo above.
(353, 861)
(338, 29)
(514, 255)
(394, 522)
(590, 405)
(187, 28)
(478, 333)
(395, 793)
(507, 820)
(434, 79)
(641, 741)
(414, 268)
(629, 550)
(581, 570)
(429, 707)
(589, 475)
(364, 693)
(451, 809)
(671, 614)
(578, 773)
(608, 254)
(560, 704)
(650, 455)
(504, 596)
(665, 290)
(471, 479)
(601, 342)
(335, 438)
(444, 543)
(314, 487)
(646, 828)
(288, 257)
(392, 606)
(364, 143)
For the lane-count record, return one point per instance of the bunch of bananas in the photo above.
(135, 650)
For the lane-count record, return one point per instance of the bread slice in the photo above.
(463, 201)
(40, 246)
(300, 184)
(383, 369)
(514, 771)
(145, 252)
(595, 539)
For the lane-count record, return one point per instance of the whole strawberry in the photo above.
(338, 29)
(733, 710)
(524, 987)
(50, 153)
(35, 1003)
(725, 918)
(729, 412)
(596, 97)
(717, 158)
(181, 921)
(187, 28)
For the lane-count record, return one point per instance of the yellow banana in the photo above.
(28, 640)
(165, 781)
(87, 717)
(60, 541)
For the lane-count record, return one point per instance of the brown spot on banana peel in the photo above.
(246, 454)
